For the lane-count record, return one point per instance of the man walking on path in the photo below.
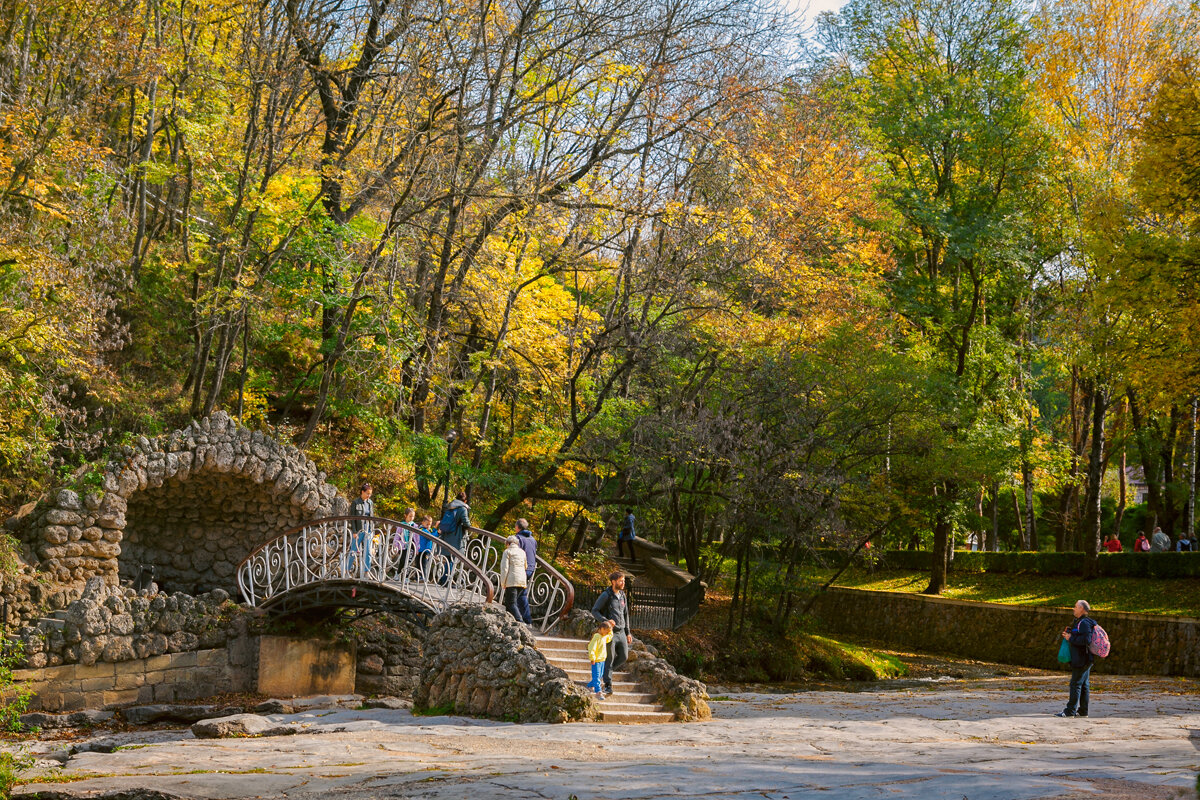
(627, 534)
(1159, 542)
(512, 577)
(529, 545)
(613, 607)
(456, 518)
(1079, 635)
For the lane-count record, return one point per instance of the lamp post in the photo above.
(450, 437)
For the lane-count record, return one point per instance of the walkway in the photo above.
(983, 740)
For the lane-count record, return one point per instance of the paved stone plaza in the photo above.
(989, 739)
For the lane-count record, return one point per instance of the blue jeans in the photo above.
(360, 544)
(1080, 690)
(514, 597)
(523, 607)
(597, 681)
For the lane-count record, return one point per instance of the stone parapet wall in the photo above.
(659, 570)
(160, 679)
(1142, 644)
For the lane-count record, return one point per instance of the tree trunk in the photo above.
(1189, 510)
(1020, 521)
(1030, 512)
(993, 544)
(941, 541)
(1091, 527)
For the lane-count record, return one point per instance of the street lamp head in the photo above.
(451, 436)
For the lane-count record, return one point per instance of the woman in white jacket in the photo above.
(512, 576)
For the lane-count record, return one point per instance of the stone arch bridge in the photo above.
(215, 505)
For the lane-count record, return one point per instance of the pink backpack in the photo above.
(1099, 645)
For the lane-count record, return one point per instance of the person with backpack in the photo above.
(1185, 544)
(456, 518)
(1079, 637)
(612, 606)
(1141, 544)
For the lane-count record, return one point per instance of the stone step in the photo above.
(636, 716)
(52, 622)
(559, 641)
(615, 706)
(640, 699)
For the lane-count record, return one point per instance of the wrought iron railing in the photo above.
(551, 595)
(652, 608)
(372, 550)
(399, 557)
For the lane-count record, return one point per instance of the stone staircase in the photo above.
(630, 701)
(634, 569)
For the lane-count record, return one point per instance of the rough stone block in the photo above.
(217, 657)
(101, 669)
(290, 667)
(112, 699)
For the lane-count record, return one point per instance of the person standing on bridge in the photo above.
(612, 607)
(360, 543)
(512, 578)
(529, 545)
(456, 518)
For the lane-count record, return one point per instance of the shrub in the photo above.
(1112, 565)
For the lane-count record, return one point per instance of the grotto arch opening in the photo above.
(195, 531)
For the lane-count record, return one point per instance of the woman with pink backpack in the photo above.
(1086, 640)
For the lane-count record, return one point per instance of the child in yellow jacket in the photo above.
(598, 652)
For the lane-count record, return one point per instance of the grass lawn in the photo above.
(1173, 596)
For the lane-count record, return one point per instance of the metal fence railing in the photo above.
(652, 608)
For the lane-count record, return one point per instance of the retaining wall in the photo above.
(158, 679)
(1142, 644)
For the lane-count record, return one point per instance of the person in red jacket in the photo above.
(1112, 544)
(1142, 545)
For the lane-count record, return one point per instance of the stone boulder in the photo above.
(240, 725)
(481, 662)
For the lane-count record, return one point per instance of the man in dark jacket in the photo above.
(613, 606)
(456, 518)
(529, 545)
(1079, 635)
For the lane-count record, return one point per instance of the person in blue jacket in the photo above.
(1079, 635)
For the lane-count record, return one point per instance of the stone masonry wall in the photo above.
(114, 625)
(193, 503)
(159, 679)
(1142, 644)
(390, 655)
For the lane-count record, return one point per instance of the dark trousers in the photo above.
(1077, 703)
(523, 603)
(629, 544)
(516, 598)
(618, 654)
